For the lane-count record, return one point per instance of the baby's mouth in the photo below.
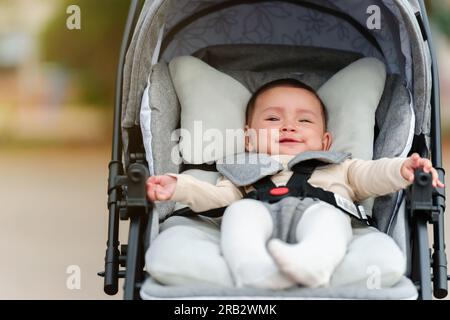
(288, 140)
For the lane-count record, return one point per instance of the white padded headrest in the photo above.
(212, 102)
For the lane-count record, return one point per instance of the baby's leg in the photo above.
(322, 233)
(246, 227)
(373, 260)
(186, 255)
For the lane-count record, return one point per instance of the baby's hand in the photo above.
(161, 187)
(415, 162)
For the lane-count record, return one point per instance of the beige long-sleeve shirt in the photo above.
(353, 179)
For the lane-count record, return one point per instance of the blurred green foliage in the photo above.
(91, 53)
(439, 12)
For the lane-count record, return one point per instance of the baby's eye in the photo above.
(304, 120)
(272, 119)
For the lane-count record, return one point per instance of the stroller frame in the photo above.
(127, 195)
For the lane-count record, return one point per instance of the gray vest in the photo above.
(245, 168)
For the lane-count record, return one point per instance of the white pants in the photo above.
(322, 233)
(189, 251)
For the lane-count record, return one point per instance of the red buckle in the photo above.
(279, 191)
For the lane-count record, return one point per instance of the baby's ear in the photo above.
(246, 131)
(248, 145)
(326, 141)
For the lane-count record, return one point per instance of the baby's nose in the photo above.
(288, 127)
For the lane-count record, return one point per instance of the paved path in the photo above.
(53, 215)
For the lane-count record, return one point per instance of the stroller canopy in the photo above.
(385, 29)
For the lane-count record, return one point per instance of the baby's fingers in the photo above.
(436, 181)
(415, 160)
(410, 175)
(154, 180)
(151, 191)
(427, 165)
(162, 193)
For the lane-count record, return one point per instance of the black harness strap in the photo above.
(299, 181)
(262, 188)
(188, 212)
(297, 186)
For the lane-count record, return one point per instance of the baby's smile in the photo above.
(289, 141)
(287, 120)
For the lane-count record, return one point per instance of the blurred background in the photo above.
(56, 101)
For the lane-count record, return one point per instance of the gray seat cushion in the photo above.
(152, 290)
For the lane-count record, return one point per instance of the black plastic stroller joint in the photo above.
(422, 204)
(137, 209)
(135, 203)
(420, 200)
(130, 203)
(439, 258)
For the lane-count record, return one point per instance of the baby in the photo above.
(287, 121)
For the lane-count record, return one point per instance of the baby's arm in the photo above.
(197, 194)
(386, 175)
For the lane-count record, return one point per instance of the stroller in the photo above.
(218, 32)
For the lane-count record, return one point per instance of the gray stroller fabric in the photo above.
(151, 289)
(165, 111)
(393, 120)
(254, 65)
(286, 215)
(401, 41)
(284, 22)
(139, 57)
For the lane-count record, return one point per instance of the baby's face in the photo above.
(287, 120)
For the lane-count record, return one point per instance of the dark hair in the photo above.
(287, 82)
